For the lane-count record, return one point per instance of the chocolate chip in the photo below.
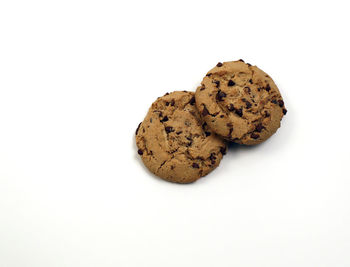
(223, 150)
(202, 88)
(221, 116)
(231, 83)
(164, 119)
(140, 151)
(137, 129)
(231, 107)
(167, 103)
(217, 84)
(259, 127)
(247, 103)
(267, 114)
(251, 81)
(160, 114)
(208, 75)
(249, 64)
(166, 94)
(219, 64)
(172, 102)
(212, 158)
(192, 101)
(220, 95)
(207, 134)
(189, 144)
(169, 129)
(195, 165)
(284, 111)
(189, 138)
(172, 167)
(254, 136)
(231, 129)
(280, 103)
(241, 60)
(179, 132)
(239, 112)
(205, 111)
(274, 101)
(268, 88)
(248, 89)
(203, 125)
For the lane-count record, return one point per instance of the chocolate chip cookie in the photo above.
(240, 102)
(174, 143)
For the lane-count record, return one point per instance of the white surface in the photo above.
(76, 78)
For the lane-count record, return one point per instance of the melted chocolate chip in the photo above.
(220, 95)
(207, 134)
(231, 83)
(192, 101)
(284, 111)
(205, 111)
(223, 150)
(137, 129)
(140, 151)
(231, 107)
(195, 165)
(164, 119)
(231, 129)
(254, 136)
(280, 103)
(247, 103)
(259, 127)
(230, 132)
(169, 129)
(212, 158)
(239, 112)
(219, 64)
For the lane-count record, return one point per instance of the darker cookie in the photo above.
(240, 102)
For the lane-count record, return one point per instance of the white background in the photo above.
(76, 78)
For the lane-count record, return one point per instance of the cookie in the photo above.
(240, 102)
(174, 143)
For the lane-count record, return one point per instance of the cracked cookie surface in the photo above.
(240, 102)
(174, 143)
